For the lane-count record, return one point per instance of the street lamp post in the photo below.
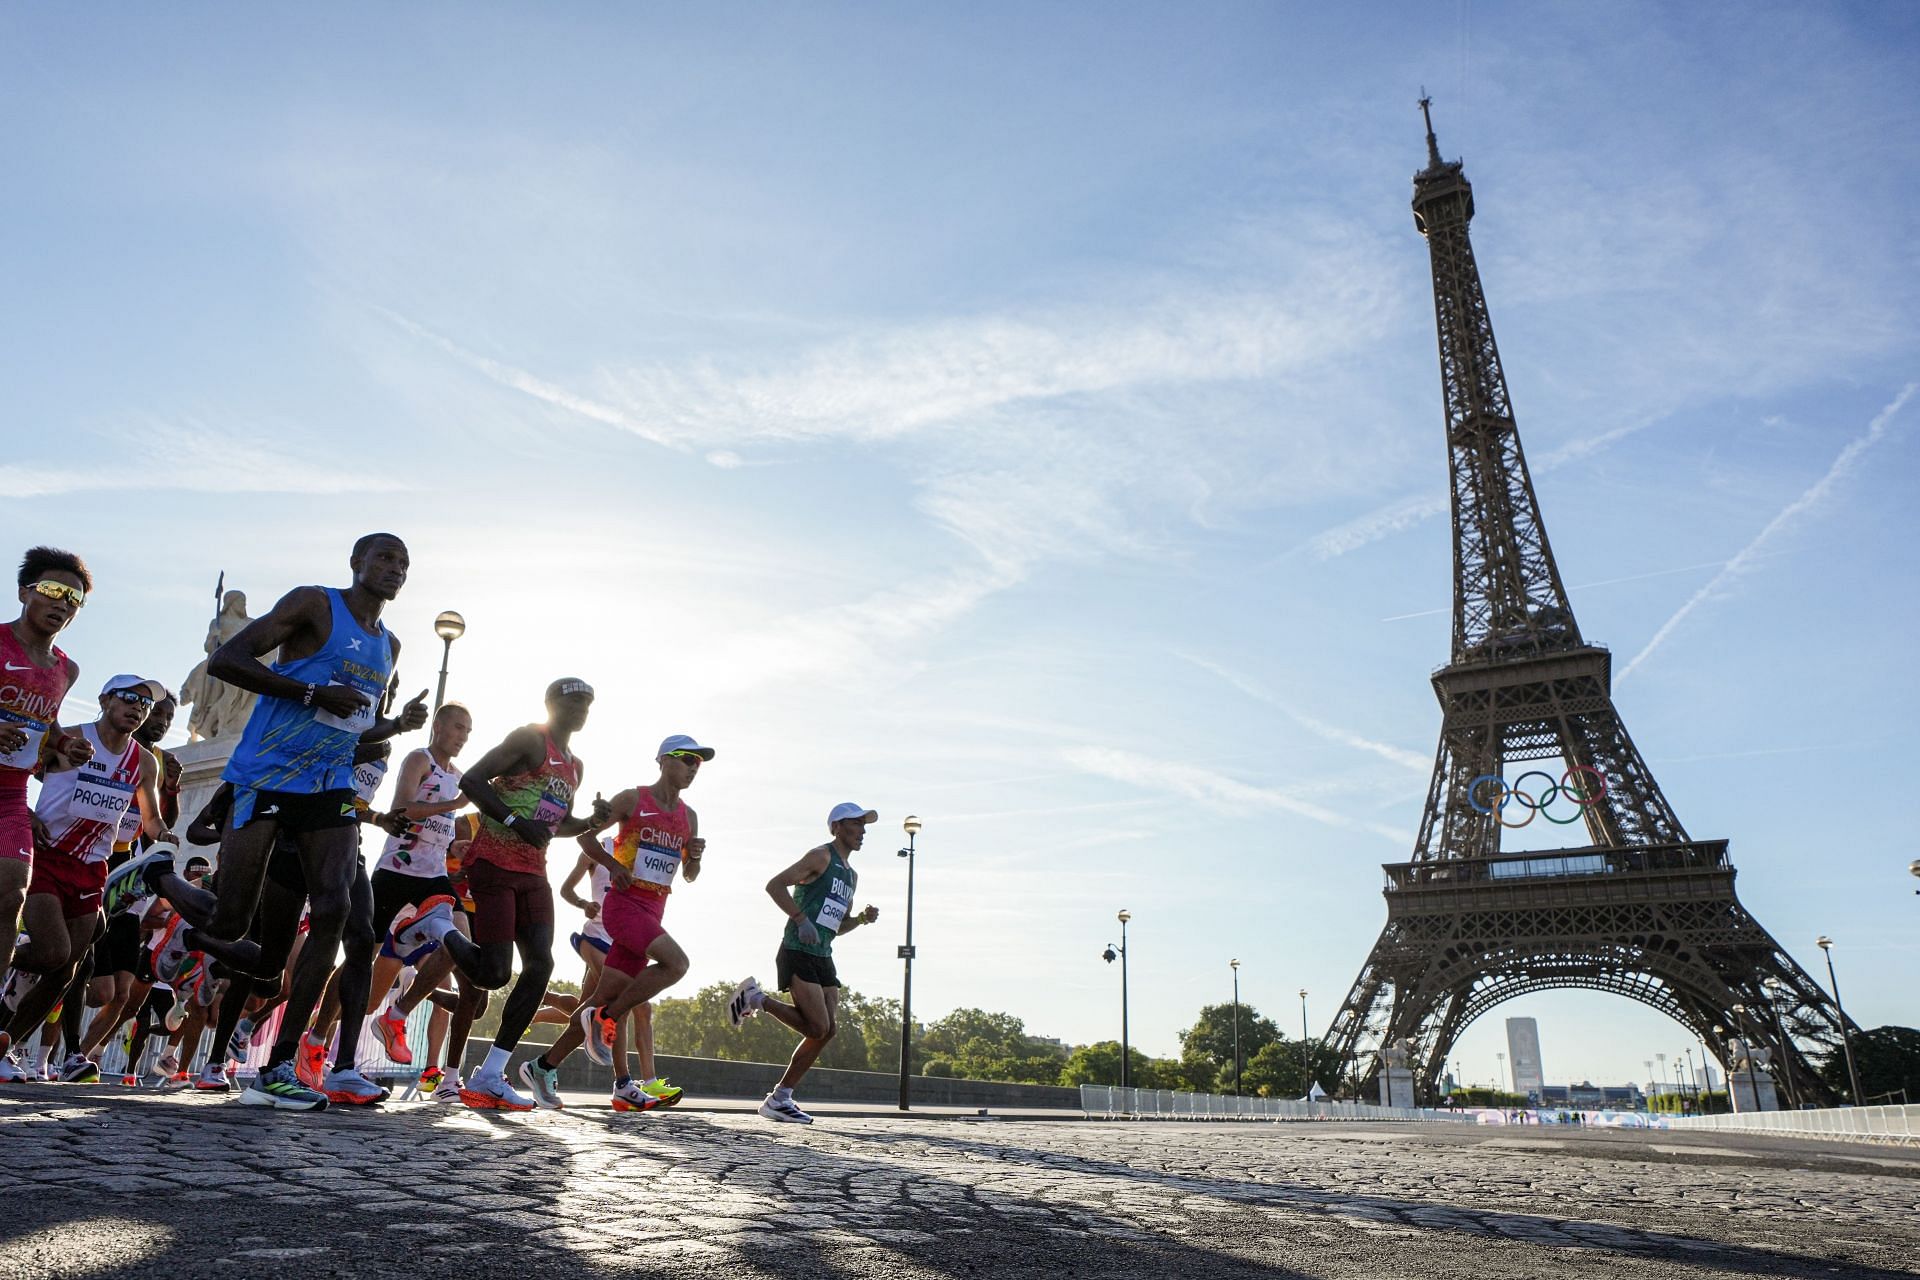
(1846, 1035)
(1306, 1050)
(1111, 951)
(1663, 1066)
(1693, 1083)
(1500, 1072)
(1235, 966)
(912, 827)
(449, 626)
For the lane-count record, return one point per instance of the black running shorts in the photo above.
(791, 965)
(393, 890)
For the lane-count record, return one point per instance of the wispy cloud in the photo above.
(1320, 728)
(195, 456)
(1214, 790)
(1801, 507)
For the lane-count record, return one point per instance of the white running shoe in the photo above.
(424, 927)
(10, 1072)
(784, 1111)
(168, 1066)
(745, 1002)
(631, 1097)
(598, 1032)
(448, 1090)
(79, 1070)
(493, 1093)
(543, 1082)
(213, 1079)
(349, 1088)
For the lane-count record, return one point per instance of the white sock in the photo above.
(496, 1063)
(783, 1094)
(435, 927)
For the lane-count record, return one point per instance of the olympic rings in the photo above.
(1537, 805)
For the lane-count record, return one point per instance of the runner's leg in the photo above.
(329, 857)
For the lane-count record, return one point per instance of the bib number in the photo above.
(833, 913)
(27, 755)
(98, 798)
(655, 866)
(357, 723)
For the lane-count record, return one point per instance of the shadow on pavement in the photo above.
(99, 1182)
(1541, 1229)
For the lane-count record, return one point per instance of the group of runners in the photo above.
(102, 914)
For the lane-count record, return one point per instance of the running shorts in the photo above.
(16, 821)
(633, 921)
(588, 940)
(299, 811)
(393, 890)
(792, 966)
(119, 946)
(504, 902)
(75, 883)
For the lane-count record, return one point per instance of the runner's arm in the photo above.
(853, 921)
(301, 614)
(567, 894)
(810, 867)
(413, 772)
(595, 819)
(152, 825)
(695, 850)
(519, 753)
(212, 819)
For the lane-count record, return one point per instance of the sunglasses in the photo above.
(60, 591)
(132, 698)
(691, 757)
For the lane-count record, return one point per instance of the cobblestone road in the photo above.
(95, 1181)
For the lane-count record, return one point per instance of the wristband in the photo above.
(306, 698)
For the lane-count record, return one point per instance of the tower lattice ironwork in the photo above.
(1641, 909)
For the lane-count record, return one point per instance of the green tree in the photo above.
(1100, 1064)
(1284, 1069)
(1888, 1059)
(977, 1045)
(1206, 1048)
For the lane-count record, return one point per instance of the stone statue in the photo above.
(219, 709)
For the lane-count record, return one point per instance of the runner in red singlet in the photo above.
(659, 838)
(524, 788)
(80, 815)
(34, 679)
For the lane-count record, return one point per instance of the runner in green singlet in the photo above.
(822, 911)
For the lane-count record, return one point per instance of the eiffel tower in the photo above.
(1641, 909)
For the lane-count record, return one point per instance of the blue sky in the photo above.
(1024, 417)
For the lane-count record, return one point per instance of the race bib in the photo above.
(833, 912)
(366, 780)
(99, 798)
(357, 723)
(435, 831)
(551, 809)
(27, 754)
(655, 866)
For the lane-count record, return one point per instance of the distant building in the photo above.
(1523, 1050)
(1593, 1097)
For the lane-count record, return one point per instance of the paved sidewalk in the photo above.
(95, 1180)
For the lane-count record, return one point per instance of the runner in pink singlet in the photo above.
(34, 679)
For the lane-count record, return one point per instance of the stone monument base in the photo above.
(201, 764)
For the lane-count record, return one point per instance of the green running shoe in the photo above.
(663, 1093)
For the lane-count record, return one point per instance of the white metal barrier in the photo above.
(1112, 1103)
(1843, 1124)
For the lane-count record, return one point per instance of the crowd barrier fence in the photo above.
(1899, 1125)
(1109, 1102)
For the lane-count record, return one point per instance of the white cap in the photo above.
(681, 742)
(848, 811)
(151, 688)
